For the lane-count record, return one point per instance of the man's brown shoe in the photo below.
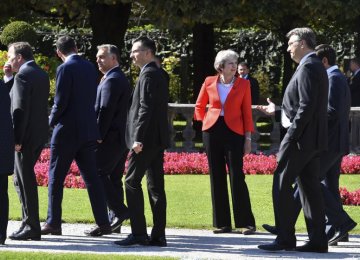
(46, 229)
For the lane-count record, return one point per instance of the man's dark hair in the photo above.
(66, 45)
(111, 49)
(305, 34)
(356, 60)
(146, 43)
(24, 49)
(325, 50)
(245, 64)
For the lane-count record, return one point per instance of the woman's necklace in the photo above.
(222, 80)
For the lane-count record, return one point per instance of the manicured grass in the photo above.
(52, 256)
(189, 202)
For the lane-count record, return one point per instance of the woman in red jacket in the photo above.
(227, 127)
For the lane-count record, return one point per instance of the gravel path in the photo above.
(182, 243)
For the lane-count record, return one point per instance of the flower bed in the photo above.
(196, 163)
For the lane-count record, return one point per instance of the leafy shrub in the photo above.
(171, 64)
(18, 31)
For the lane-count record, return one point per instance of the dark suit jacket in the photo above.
(73, 114)
(338, 112)
(6, 133)
(355, 90)
(305, 104)
(112, 100)
(29, 105)
(255, 90)
(147, 117)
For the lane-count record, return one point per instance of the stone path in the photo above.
(182, 243)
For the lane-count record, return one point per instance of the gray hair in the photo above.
(222, 57)
(305, 34)
(22, 48)
(111, 49)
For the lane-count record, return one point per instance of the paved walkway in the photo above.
(182, 243)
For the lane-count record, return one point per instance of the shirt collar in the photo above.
(106, 74)
(69, 56)
(144, 66)
(331, 69)
(305, 57)
(356, 72)
(22, 66)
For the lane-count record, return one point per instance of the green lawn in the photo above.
(189, 203)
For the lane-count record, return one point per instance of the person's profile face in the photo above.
(105, 60)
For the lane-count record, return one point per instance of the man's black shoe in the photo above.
(275, 246)
(23, 225)
(342, 232)
(26, 234)
(98, 231)
(309, 247)
(161, 241)
(133, 240)
(222, 230)
(271, 229)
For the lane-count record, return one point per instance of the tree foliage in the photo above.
(18, 31)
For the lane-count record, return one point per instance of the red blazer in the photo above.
(237, 107)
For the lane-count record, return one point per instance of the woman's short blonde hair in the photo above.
(224, 56)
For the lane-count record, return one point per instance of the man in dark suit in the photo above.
(304, 114)
(354, 82)
(112, 99)
(74, 137)
(147, 136)
(338, 146)
(244, 72)
(29, 107)
(6, 157)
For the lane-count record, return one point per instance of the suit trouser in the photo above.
(4, 205)
(61, 157)
(225, 147)
(150, 161)
(26, 185)
(111, 165)
(329, 175)
(305, 166)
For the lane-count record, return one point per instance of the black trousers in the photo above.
(305, 166)
(226, 148)
(111, 160)
(150, 161)
(4, 205)
(329, 175)
(26, 185)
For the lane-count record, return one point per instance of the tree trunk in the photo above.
(203, 54)
(109, 24)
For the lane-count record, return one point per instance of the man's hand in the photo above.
(269, 109)
(7, 70)
(247, 146)
(99, 141)
(137, 147)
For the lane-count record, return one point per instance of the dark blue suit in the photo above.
(74, 137)
(6, 156)
(338, 146)
(112, 99)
